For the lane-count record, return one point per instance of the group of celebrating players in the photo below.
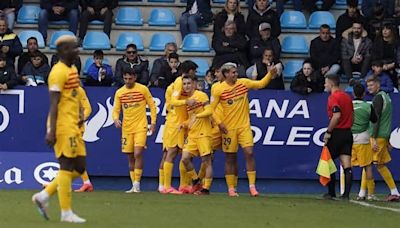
(197, 126)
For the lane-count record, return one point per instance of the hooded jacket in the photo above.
(7, 76)
(11, 40)
(256, 17)
(347, 46)
(140, 65)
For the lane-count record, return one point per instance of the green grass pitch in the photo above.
(113, 209)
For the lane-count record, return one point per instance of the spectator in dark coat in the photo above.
(263, 66)
(307, 80)
(230, 47)
(384, 78)
(231, 12)
(36, 71)
(9, 43)
(134, 61)
(159, 63)
(355, 51)
(32, 45)
(280, 5)
(345, 21)
(99, 73)
(10, 9)
(170, 71)
(367, 7)
(377, 21)
(56, 10)
(262, 12)
(325, 52)
(263, 41)
(77, 63)
(96, 10)
(197, 13)
(8, 79)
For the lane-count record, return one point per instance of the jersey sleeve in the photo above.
(152, 106)
(117, 106)
(257, 84)
(56, 80)
(207, 107)
(178, 85)
(215, 98)
(87, 109)
(334, 104)
(168, 94)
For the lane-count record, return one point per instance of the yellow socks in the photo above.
(168, 167)
(183, 175)
(138, 174)
(132, 175)
(52, 187)
(371, 187)
(161, 177)
(230, 181)
(193, 175)
(387, 177)
(251, 175)
(235, 183)
(64, 189)
(202, 171)
(207, 183)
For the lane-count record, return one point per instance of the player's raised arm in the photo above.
(153, 110)
(117, 111)
(259, 84)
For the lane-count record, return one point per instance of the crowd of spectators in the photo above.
(365, 43)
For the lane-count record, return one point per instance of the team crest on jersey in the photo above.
(126, 106)
(230, 101)
(74, 93)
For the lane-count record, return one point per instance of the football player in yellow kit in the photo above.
(235, 122)
(133, 98)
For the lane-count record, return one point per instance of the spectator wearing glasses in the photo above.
(231, 12)
(9, 8)
(99, 73)
(160, 62)
(132, 60)
(32, 45)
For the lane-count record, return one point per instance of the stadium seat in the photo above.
(96, 22)
(293, 20)
(158, 41)
(28, 14)
(89, 62)
(162, 17)
(195, 42)
(129, 16)
(162, 1)
(96, 40)
(203, 66)
(340, 2)
(56, 35)
(321, 17)
(26, 34)
(219, 1)
(291, 68)
(295, 44)
(126, 38)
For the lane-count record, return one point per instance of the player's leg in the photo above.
(388, 178)
(230, 164)
(161, 172)
(208, 176)
(87, 185)
(168, 168)
(369, 177)
(187, 162)
(251, 169)
(131, 163)
(345, 161)
(138, 168)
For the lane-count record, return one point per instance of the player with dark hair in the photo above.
(338, 136)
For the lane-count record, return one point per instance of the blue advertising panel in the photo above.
(288, 129)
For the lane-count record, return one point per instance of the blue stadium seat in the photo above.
(158, 41)
(28, 14)
(56, 35)
(162, 1)
(341, 2)
(129, 16)
(26, 34)
(96, 40)
(291, 68)
(89, 62)
(195, 42)
(60, 22)
(203, 66)
(96, 22)
(293, 20)
(162, 17)
(295, 44)
(321, 17)
(219, 1)
(126, 38)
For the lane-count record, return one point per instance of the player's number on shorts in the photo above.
(72, 142)
(124, 141)
(227, 141)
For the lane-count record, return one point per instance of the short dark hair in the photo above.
(377, 63)
(31, 38)
(193, 78)
(36, 54)
(358, 90)
(173, 56)
(187, 66)
(334, 78)
(373, 78)
(352, 3)
(325, 26)
(98, 53)
(131, 46)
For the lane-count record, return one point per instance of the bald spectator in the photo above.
(262, 11)
(345, 21)
(9, 8)
(9, 43)
(263, 41)
(32, 45)
(160, 62)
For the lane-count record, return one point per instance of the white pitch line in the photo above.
(374, 206)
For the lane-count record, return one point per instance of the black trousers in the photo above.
(86, 17)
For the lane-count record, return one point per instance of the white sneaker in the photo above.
(72, 218)
(42, 204)
(372, 198)
(130, 191)
(136, 187)
(160, 188)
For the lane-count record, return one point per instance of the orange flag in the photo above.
(326, 167)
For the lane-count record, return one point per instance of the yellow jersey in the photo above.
(86, 109)
(234, 101)
(199, 116)
(65, 80)
(133, 102)
(177, 101)
(218, 110)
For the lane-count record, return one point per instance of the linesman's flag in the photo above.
(326, 167)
